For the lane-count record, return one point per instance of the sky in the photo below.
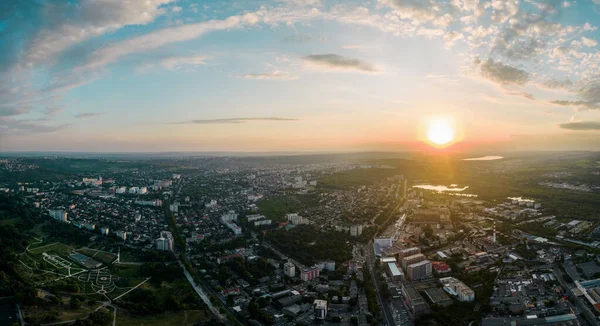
(297, 75)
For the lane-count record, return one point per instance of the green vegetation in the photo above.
(459, 313)
(276, 208)
(170, 218)
(354, 178)
(309, 245)
(183, 318)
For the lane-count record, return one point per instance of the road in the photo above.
(387, 312)
(201, 294)
(589, 316)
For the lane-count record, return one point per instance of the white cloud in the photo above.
(588, 42)
(275, 75)
(90, 19)
(335, 62)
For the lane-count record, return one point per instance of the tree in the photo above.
(75, 302)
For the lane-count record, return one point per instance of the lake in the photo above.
(452, 187)
(484, 158)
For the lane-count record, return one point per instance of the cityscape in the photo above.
(299, 240)
(299, 162)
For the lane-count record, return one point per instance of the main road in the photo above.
(387, 312)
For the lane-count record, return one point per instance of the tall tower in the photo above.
(494, 239)
(405, 194)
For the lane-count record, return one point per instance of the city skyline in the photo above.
(298, 75)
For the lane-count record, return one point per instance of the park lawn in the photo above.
(66, 313)
(101, 256)
(275, 208)
(57, 247)
(182, 318)
(9, 221)
(126, 271)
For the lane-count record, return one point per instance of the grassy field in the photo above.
(57, 247)
(276, 208)
(126, 271)
(9, 221)
(186, 317)
(101, 256)
(63, 312)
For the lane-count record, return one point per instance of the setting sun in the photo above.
(440, 132)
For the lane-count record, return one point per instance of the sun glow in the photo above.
(440, 132)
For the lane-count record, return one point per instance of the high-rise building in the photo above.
(229, 216)
(411, 260)
(121, 234)
(356, 230)
(296, 219)
(320, 308)
(58, 215)
(419, 270)
(307, 274)
(165, 242)
(289, 269)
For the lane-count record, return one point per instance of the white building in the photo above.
(121, 234)
(143, 190)
(320, 308)
(356, 230)
(255, 217)
(174, 207)
(289, 269)
(262, 222)
(296, 219)
(211, 204)
(229, 216)
(104, 231)
(121, 190)
(165, 242)
(155, 203)
(458, 289)
(58, 215)
(133, 190)
(419, 270)
(384, 243)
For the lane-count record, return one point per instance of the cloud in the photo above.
(581, 125)
(85, 20)
(20, 127)
(157, 39)
(588, 42)
(231, 120)
(52, 111)
(88, 115)
(335, 62)
(579, 104)
(588, 96)
(302, 38)
(502, 73)
(173, 63)
(526, 95)
(275, 75)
